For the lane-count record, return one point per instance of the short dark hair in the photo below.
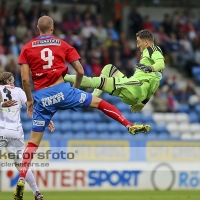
(145, 34)
(4, 76)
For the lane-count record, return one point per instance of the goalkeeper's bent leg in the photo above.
(108, 71)
(105, 84)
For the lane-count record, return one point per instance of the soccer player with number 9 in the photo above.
(45, 57)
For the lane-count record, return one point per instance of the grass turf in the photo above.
(111, 195)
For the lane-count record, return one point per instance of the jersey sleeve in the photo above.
(157, 55)
(22, 96)
(23, 57)
(71, 54)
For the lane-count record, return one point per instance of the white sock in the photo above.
(30, 179)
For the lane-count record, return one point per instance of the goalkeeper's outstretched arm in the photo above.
(158, 65)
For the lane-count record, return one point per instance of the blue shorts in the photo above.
(60, 97)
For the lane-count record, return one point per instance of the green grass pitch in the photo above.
(111, 195)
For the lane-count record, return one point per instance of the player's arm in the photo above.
(79, 73)
(158, 59)
(25, 76)
(158, 65)
(72, 57)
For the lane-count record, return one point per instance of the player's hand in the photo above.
(144, 68)
(137, 107)
(9, 103)
(51, 126)
(29, 105)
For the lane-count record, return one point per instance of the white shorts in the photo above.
(12, 140)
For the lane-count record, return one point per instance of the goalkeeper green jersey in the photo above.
(151, 56)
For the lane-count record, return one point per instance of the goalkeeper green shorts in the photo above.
(131, 90)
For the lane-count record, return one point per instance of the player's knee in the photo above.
(95, 102)
(107, 70)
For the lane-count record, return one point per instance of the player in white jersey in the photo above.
(11, 132)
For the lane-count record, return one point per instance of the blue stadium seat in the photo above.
(101, 127)
(197, 108)
(110, 98)
(116, 127)
(139, 136)
(46, 136)
(160, 129)
(68, 135)
(163, 136)
(151, 135)
(136, 117)
(194, 118)
(55, 118)
(96, 117)
(56, 131)
(25, 118)
(104, 135)
(122, 106)
(115, 135)
(56, 125)
(153, 126)
(183, 108)
(27, 127)
(23, 109)
(75, 116)
(27, 137)
(122, 128)
(63, 116)
(56, 135)
(80, 135)
(92, 135)
(127, 114)
(77, 126)
(127, 136)
(147, 118)
(87, 117)
(111, 128)
(175, 137)
(65, 127)
(89, 126)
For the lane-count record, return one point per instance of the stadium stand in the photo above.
(179, 114)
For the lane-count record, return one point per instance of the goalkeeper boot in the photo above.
(19, 191)
(38, 196)
(135, 129)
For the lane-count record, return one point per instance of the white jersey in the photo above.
(10, 117)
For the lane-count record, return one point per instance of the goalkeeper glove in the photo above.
(137, 107)
(144, 68)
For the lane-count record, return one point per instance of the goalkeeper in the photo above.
(138, 89)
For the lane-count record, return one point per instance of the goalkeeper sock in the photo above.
(30, 179)
(95, 82)
(114, 113)
(87, 82)
(27, 158)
